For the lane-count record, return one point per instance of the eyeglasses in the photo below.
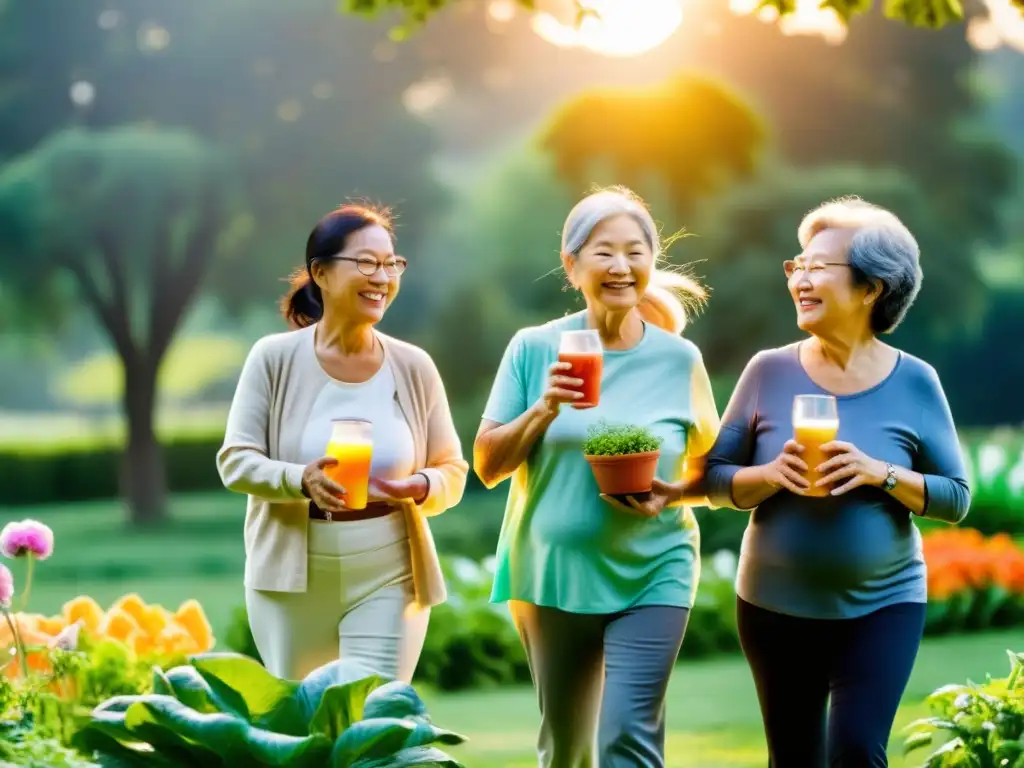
(792, 266)
(368, 265)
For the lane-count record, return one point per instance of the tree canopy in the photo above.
(932, 14)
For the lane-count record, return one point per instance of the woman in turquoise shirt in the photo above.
(600, 590)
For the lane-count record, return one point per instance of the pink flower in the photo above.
(6, 586)
(29, 537)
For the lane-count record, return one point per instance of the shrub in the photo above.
(604, 439)
(974, 725)
(223, 709)
(974, 582)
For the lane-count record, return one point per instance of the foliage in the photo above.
(690, 132)
(222, 709)
(974, 725)
(191, 365)
(932, 14)
(604, 439)
(973, 582)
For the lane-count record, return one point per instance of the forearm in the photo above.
(499, 452)
(931, 496)
(246, 470)
(749, 488)
(692, 488)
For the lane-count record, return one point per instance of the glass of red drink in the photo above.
(583, 351)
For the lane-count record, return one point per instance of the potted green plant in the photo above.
(623, 457)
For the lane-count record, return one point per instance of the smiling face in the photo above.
(822, 286)
(348, 291)
(614, 266)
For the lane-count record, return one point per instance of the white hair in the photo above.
(669, 294)
(881, 250)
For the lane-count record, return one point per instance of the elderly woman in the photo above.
(831, 584)
(323, 579)
(599, 588)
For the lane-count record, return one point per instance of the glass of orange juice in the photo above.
(351, 444)
(815, 422)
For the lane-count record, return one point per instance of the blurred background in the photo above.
(161, 164)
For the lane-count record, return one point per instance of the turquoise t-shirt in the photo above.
(561, 545)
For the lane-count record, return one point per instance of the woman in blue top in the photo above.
(600, 590)
(832, 589)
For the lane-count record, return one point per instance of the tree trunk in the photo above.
(143, 475)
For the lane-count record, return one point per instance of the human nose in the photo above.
(619, 265)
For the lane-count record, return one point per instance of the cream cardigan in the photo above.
(276, 390)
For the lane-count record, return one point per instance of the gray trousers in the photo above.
(601, 681)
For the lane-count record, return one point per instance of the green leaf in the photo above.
(394, 699)
(413, 756)
(341, 672)
(161, 684)
(916, 741)
(230, 737)
(190, 688)
(384, 736)
(242, 686)
(340, 707)
(114, 754)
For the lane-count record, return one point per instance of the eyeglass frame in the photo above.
(789, 273)
(401, 263)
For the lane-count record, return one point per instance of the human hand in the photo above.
(321, 490)
(651, 504)
(414, 487)
(558, 391)
(786, 470)
(850, 464)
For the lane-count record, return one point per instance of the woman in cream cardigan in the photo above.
(321, 580)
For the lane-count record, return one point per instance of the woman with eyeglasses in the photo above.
(831, 584)
(323, 580)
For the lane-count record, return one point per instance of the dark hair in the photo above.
(303, 305)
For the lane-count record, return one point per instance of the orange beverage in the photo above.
(813, 435)
(351, 444)
(583, 351)
(815, 423)
(587, 367)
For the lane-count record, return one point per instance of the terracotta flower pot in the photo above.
(630, 473)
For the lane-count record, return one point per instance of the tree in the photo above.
(134, 218)
(744, 237)
(932, 14)
(690, 133)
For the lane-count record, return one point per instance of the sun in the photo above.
(620, 28)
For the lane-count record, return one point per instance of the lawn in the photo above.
(713, 718)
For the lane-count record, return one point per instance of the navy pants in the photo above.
(601, 681)
(798, 664)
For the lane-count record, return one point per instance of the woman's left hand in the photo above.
(660, 496)
(850, 464)
(414, 488)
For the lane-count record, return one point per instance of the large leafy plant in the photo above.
(225, 709)
(981, 726)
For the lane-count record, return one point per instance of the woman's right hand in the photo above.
(786, 470)
(322, 491)
(558, 391)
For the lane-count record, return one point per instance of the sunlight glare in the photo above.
(623, 28)
(807, 18)
(1004, 25)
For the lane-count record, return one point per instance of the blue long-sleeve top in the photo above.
(848, 555)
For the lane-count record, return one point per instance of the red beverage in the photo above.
(586, 366)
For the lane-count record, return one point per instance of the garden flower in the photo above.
(29, 537)
(6, 586)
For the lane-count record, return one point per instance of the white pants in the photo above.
(359, 603)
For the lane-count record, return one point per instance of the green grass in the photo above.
(713, 717)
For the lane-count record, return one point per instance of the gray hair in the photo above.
(882, 250)
(670, 294)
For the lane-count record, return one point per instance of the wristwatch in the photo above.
(890, 477)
